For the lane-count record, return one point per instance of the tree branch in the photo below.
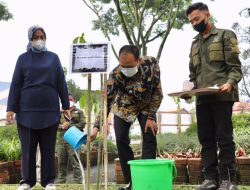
(154, 21)
(134, 13)
(140, 32)
(245, 86)
(129, 8)
(170, 25)
(117, 4)
(102, 26)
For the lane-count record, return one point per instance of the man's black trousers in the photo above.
(123, 143)
(215, 133)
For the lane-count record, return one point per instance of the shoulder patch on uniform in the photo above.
(234, 45)
(194, 51)
(216, 39)
(234, 41)
(235, 49)
(195, 45)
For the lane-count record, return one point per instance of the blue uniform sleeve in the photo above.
(62, 87)
(15, 87)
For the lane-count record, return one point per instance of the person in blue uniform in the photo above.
(38, 84)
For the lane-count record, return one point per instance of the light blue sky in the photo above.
(64, 20)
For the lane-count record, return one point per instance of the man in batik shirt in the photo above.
(134, 91)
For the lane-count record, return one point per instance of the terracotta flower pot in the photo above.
(12, 173)
(18, 164)
(4, 172)
(195, 170)
(119, 179)
(8, 173)
(243, 166)
(182, 173)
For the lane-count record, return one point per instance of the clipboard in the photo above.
(196, 92)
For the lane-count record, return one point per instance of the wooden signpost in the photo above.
(89, 58)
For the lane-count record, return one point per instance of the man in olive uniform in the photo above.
(65, 151)
(134, 91)
(214, 60)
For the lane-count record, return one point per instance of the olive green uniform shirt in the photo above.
(65, 151)
(78, 120)
(214, 60)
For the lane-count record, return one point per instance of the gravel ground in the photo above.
(93, 175)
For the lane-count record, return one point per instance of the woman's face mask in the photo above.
(38, 44)
(129, 72)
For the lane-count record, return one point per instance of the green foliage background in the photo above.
(188, 140)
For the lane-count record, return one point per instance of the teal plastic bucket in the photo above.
(75, 137)
(152, 174)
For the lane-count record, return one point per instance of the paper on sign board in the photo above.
(90, 58)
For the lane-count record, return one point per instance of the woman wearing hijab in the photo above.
(37, 84)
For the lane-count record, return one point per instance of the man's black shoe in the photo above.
(227, 185)
(127, 187)
(208, 184)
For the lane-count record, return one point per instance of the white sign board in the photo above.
(90, 58)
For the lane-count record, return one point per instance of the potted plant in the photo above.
(181, 147)
(10, 153)
(119, 178)
(241, 124)
(243, 164)
(169, 148)
(195, 171)
(4, 166)
(112, 152)
(11, 148)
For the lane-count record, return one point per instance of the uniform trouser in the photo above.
(29, 139)
(215, 133)
(125, 151)
(66, 153)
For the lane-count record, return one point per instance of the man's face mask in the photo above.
(201, 26)
(38, 44)
(129, 72)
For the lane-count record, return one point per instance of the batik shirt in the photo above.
(141, 93)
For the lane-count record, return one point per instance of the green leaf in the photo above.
(4, 12)
(79, 39)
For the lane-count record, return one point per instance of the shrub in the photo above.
(110, 146)
(192, 129)
(180, 143)
(187, 141)
(8, 132)
(3, 156)
(10, 149)
(241, 123)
